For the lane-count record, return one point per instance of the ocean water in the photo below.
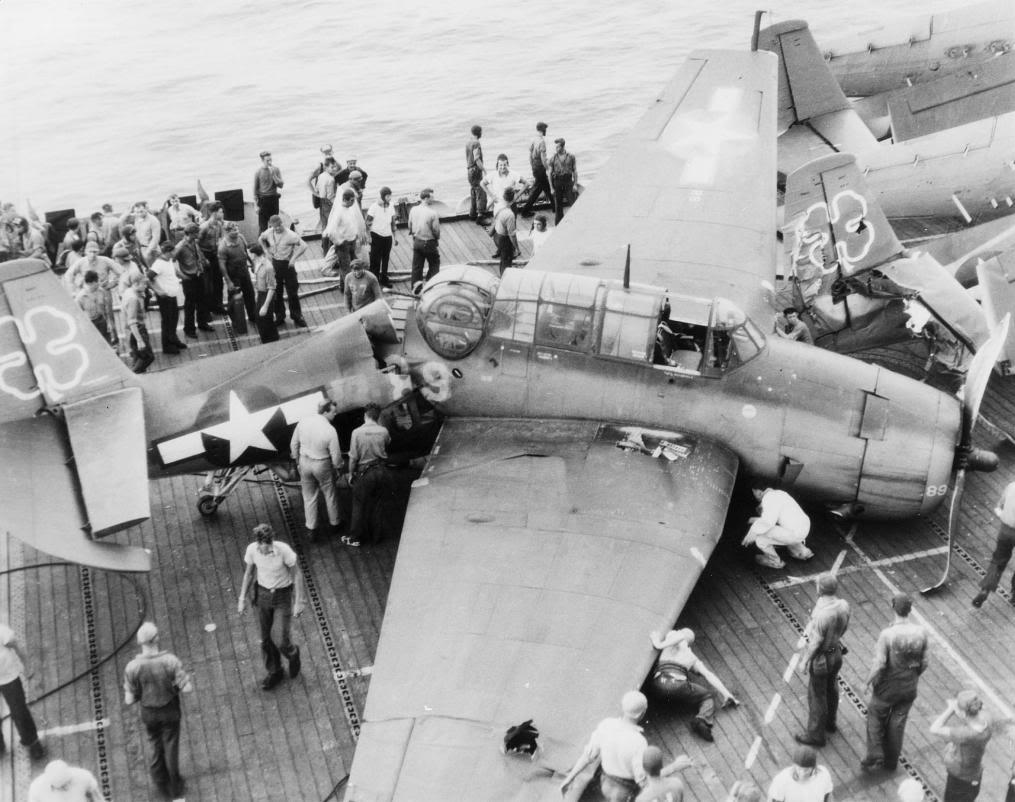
(110, 101)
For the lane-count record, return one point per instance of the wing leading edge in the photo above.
(535, 558)
(692, 189)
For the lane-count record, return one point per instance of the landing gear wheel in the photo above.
(207, 506)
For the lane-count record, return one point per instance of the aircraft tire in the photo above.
(207, 506)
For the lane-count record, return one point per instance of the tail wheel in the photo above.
(207, 506)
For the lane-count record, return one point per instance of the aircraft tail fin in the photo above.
(834, 228)
(71, 426)
(808, 91)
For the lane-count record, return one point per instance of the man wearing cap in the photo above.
(368, 478)
(659, 785)
(272, 574)
(967, 741)
(821, 660)
(361, 286)
(475, 171)
(63, 783)
(315, 449)
(680, 676)
(540, 164)
(193, 263)
(353, 182)
(910, 790)
(352, 166)
(900, 657)
(267, 183)
(620, 747)
(1003, 547)
(804, 781)
(326, 192)
(425, 230)
(284, 246)
(563, 177)
(12, 668)
(155, 679)
(327, 153)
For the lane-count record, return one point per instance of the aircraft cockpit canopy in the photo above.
(453, 309)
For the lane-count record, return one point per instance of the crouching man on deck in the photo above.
(780, 522)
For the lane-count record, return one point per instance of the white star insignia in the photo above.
(244, 429)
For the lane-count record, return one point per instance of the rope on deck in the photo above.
(844, 686)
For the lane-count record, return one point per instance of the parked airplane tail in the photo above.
(812, 107)
(71, 427)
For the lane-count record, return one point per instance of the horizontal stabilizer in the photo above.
(997, 289)
(108, 438)
(42, 502)
(833, 221)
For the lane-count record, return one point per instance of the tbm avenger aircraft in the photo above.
(581, 477)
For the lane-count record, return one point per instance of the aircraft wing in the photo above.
(692, 190)
(535, 558)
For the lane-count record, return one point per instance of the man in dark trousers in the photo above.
(267, 183)
(272, 573)
(822, 659)
(155, 679)
(900, 657)
(564, 177)
(1005, 511)
(368, 478)
(475, 171)
(540, 164)
(12, 667)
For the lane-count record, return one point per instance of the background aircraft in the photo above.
(921, 49)
(581, 478)
(951, 138)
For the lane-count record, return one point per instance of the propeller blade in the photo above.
(953, 521)
(979, 374)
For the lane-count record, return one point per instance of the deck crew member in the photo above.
(284, 246)
(155, 679)
(135, 321)
(267, 183)
(425, 230)
(368, 478)
(193, 264)
(475, 171)
(619, 745)
(502, 179)
(165, 283)
(12, 668)
(212, 229)
(660, 786)
(680, 676)
(63, 783)
(967, 742)
(234, 267)
(540, 164)
(272, 575)
(822, 659)
(149, 232)
(780, 522)
(361, 287)
(900, 657)
(327, 153)
(794, 328)
(315, 449)
(264, 287)
(1005, 543)
(804, 781)
(505, 230)
(381, 225)
(90, 299)
(352, 166)
(179, 216)
(346, 230)
(563, 177)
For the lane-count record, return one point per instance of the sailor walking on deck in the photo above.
(267, 183)
(1003, 547)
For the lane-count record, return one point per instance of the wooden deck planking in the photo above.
(239, 742)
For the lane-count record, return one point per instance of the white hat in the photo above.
(634, 704)
(58, 773)
(147, 632)
(910, 790)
